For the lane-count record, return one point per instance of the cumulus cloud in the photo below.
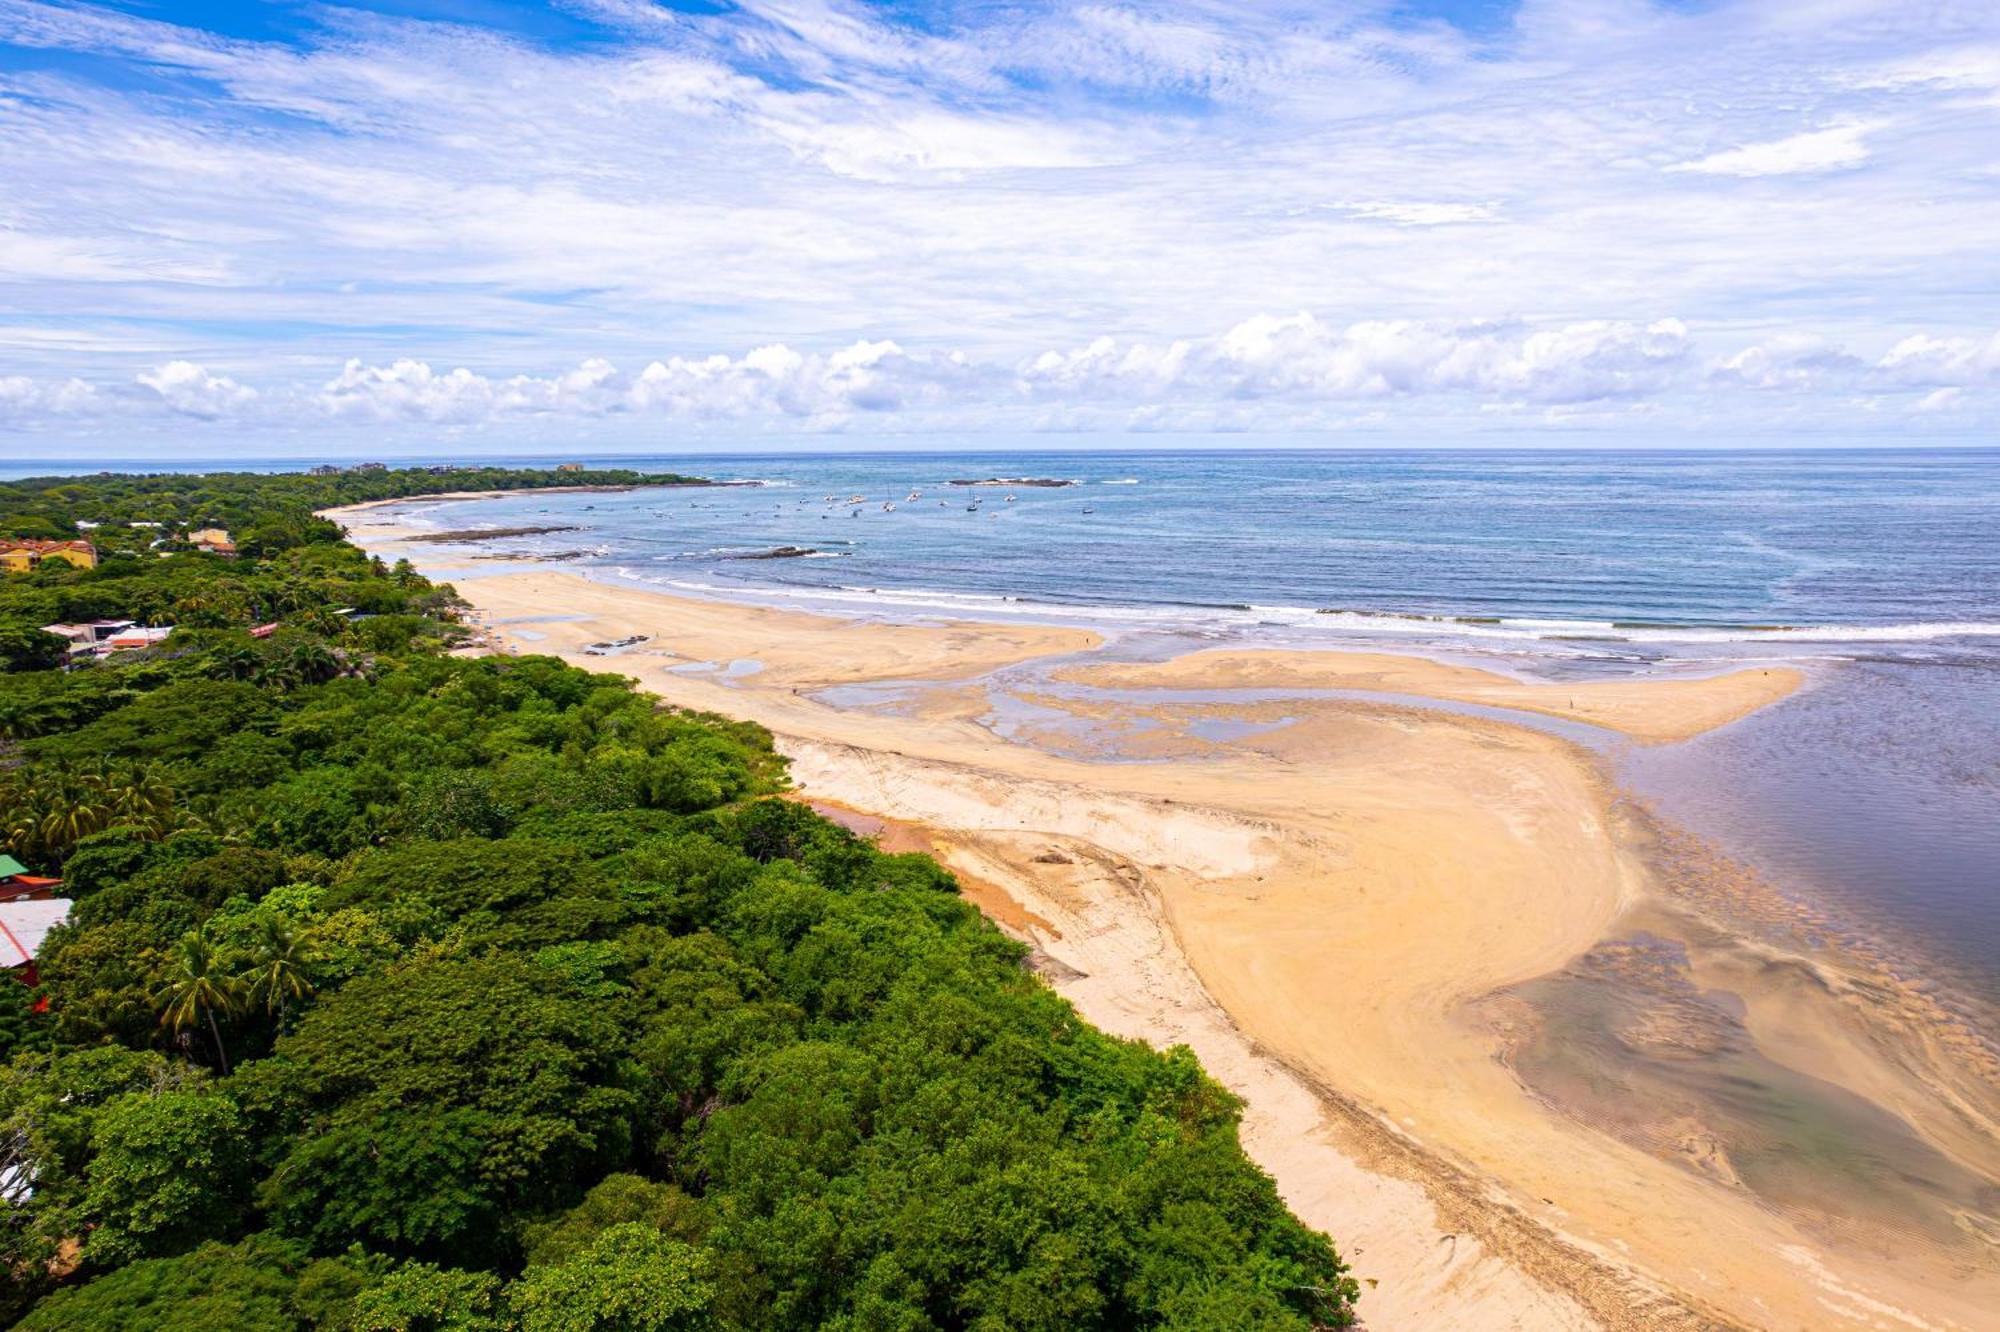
(1836, 149)
(1789, 361)
(1269, 371)
(1956, 362)
(24, 400)
(798, 175)
(191, 390)
(768, 381)
(1299, 356)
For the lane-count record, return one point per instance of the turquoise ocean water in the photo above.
(1875, 794)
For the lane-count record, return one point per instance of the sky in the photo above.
(396, 226)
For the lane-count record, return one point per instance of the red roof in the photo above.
(42, 547)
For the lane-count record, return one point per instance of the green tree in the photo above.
(198, 986)
(23, 648)
(280, 964)
(418, 1297)
(166, 1173)
(434, 1098)
(631, 1278)
(247, 1287)
(615, 1200)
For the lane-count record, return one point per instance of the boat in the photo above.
(1010, 499)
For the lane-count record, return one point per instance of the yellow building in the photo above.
(20, 554)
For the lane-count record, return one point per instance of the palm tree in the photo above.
(237, 663)
(280, 962)
(313, 663)
(198, 988)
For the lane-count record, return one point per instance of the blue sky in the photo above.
(318, 227)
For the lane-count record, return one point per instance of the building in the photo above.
(23, 928)
(569, 467)
(17, 885)
(89, 634)
(101, 637)
(324, 469)
(138, 636)
(213, 540)
(371, 467)
(22, 554)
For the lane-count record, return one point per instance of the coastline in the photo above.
(1318, 907)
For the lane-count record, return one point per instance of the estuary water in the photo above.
(1874, 794)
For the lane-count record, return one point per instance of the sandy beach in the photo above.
(1649, 710)
(1373, 920)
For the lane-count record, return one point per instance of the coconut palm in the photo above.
(313, 663)
(237, 663)
(279, 973)
(198, 988)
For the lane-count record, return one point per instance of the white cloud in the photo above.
(1924, 360)
(1298, 356)
(1126, 183)
(1940, 400)
(1418, 214)
(1836, 149)
(770, 381)
(1266, 372)
(1789, 361)
(24, 401)
(407, 390)
(191, 390)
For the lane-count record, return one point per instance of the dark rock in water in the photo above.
(1015, 481)
(776, 553)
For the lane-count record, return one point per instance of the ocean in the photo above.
(1873, 797)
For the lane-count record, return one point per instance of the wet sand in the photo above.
(1653, 710)
(1403, 936)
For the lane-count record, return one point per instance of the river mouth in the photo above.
(1626, 1040)
(1653, 1036)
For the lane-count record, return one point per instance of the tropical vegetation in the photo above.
(406, 992)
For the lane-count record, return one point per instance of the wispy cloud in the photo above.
(1833, 149)
(379, 221)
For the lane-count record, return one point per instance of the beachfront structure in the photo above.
(17, 885)
(569, 467)
(23, 554)
(23, 928)
(324, 469)
(89, 632)
(99, 637)
(138, 636)
(371, 467)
